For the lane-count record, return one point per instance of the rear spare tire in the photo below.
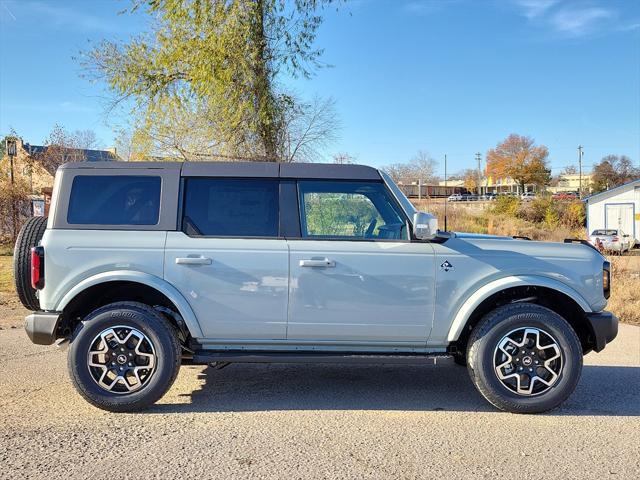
(29, 236)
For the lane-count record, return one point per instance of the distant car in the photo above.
(610, 239)
(468, 197)
(526, 196)
(488, 196)
(564, 196)
(456, 197)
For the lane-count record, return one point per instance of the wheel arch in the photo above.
(127, 285)
(550, 293)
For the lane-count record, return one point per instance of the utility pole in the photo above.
(479, 175)
(580, 154)
(445, 192)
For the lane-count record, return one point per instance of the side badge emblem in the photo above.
(446, 266)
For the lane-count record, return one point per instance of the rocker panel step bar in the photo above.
(206, 356)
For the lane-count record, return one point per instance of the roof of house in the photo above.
(244, 169)
(85, 154)
(632, 183)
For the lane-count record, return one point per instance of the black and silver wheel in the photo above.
(528, 361)
(524, 358)
(124, 357)
(121, 359)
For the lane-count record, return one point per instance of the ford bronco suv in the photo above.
(145, 266)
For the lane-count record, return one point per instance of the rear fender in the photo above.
(184, 309)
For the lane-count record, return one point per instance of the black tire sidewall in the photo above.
(30, 235)
(482, 365)
(158, 332)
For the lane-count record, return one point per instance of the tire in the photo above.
(29, 236)
(124, 317)
(527, 396)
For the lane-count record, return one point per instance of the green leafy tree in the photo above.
(219, 57)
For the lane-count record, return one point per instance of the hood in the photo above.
(508, 246)
(480, 236)
(466, 235)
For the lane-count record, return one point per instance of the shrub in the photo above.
(536, 210)
(574, 215)
(551, 217)
(14, 207)
(506, 205)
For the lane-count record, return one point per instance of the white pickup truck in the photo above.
(144, 266)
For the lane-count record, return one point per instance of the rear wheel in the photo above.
(29, 237)
(524, 358)
(124, 357)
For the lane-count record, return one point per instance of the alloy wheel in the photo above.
(528, 361)
(121, 359)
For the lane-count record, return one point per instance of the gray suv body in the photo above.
(144, 266)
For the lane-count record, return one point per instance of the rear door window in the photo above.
(114, 200)
(231, 207)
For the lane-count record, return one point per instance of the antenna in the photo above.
(445, 192)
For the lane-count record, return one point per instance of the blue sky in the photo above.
(450, 77)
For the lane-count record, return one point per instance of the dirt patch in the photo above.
(12, 312)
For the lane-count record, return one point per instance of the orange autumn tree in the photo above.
(519, 158)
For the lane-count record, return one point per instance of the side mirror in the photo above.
(425, 226)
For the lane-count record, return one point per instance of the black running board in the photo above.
(206, 356)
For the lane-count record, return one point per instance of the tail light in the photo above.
(606, 279)
(37, 267)
(615, 239)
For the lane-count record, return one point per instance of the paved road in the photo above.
(290, 421)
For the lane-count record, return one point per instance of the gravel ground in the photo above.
(319, 421)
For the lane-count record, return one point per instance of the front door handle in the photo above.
(314, 262)
(193, 261)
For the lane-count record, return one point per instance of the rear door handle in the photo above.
(323, 263)
(193, 261)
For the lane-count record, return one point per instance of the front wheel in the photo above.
(524, 358)
(124, 357)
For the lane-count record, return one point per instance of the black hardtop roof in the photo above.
(241, 169)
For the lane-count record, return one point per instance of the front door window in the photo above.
(349, 211)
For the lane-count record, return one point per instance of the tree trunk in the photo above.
(265, 103)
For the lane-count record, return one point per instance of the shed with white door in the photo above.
(618, 208)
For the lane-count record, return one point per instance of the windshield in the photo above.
(605, 232)
(406, 205)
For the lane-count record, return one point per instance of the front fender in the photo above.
(168, 290)
(469, 306)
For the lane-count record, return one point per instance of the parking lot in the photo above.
(316, 421)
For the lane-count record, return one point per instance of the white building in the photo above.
(616, 208)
